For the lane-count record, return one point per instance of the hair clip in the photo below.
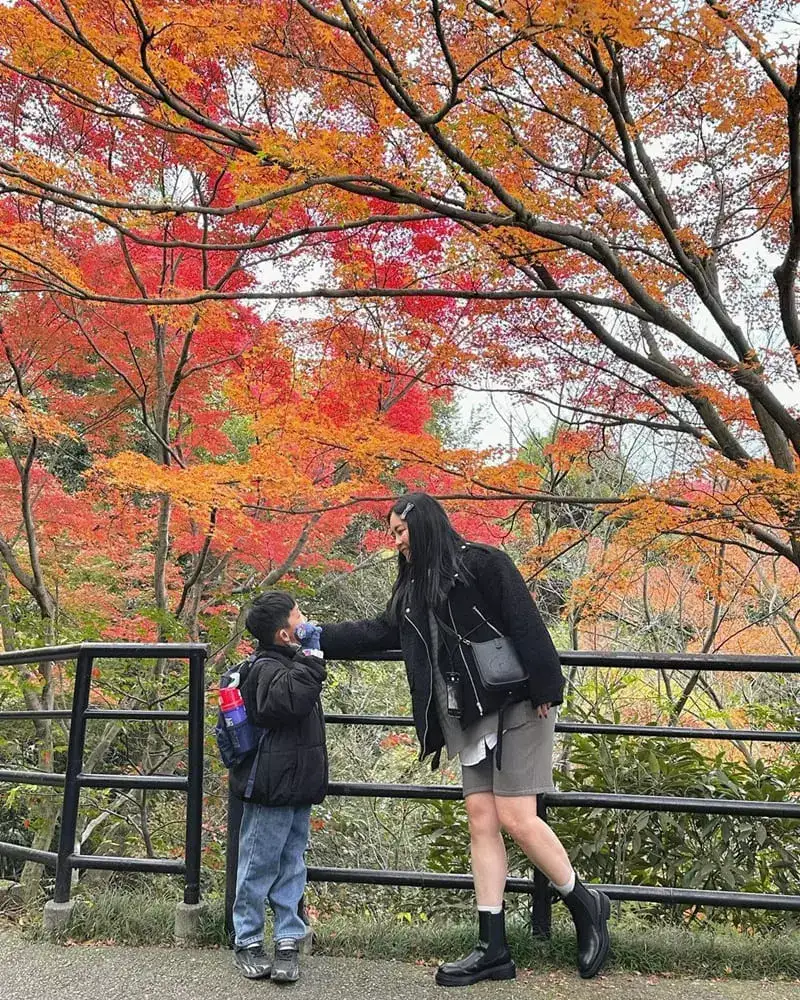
(404, 512)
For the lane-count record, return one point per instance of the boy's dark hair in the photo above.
(268, 613)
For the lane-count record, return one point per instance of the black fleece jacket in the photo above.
(491, 583)
(281, 692)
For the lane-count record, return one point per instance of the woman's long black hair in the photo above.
(436, 554)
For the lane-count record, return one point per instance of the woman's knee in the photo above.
(517, 816)
(482, 815)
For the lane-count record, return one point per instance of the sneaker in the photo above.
(252, 962)
(286, 965)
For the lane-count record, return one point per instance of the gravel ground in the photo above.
(31, 970)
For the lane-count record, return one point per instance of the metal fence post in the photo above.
(69, 809)
(541, 904)
(235, 810)
(188, 914)
(194, 797)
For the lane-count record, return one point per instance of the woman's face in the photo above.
(398, 531)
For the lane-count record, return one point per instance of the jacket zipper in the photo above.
(430, 685)
(466, 666)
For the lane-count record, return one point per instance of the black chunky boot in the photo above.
(590, 910)
(489, 960)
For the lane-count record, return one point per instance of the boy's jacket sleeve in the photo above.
(287, 692)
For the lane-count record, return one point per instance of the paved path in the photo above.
(31, 970)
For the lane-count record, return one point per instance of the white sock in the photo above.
(567, 887)
(490, 909)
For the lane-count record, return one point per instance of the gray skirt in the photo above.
(527, 761)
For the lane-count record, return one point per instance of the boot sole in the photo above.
(605, 948)
(263, 974)
(285, 977)
(506, 971)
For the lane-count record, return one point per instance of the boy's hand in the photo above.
(308, 635)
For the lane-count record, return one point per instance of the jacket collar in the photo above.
(416, 612)
(273, 649)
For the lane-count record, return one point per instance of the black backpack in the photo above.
(236, 742)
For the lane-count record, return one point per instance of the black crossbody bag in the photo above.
(498, 667)
(496, 660)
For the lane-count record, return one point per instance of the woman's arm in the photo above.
(503, 587)
(345, 640)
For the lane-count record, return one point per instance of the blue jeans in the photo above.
(272, 841)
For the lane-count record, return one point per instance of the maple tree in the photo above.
(137, 450)
(599, 188)
(138, 446)
(565, 222)
(249, 250)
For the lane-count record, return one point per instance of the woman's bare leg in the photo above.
(517, 816)
(487, 849)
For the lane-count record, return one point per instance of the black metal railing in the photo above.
(65, 860)
(538, 888)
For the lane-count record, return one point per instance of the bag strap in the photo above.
(463, 638)
(480, 614)
(447, 628)
(241, 670)
(251, 777)
(498, 750)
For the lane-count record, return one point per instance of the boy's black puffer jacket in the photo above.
(281, 692)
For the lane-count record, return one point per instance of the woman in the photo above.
(449, 594)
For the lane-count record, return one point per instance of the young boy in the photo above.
(278, 783)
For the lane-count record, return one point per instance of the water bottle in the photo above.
(238, 736)
(232, 706)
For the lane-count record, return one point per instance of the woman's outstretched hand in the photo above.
(542, 710)
(308, 635)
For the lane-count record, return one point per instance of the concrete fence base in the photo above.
(57, 917)
(188, 919)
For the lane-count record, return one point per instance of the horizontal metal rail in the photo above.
(146, 715)
(676, 804)
(640, 893)
(154, 782)
(565, 726)
(32, 778)
(136, 715)
(569, 657)
(23, 853)
(682, 732)
(599, 800)
(607, 729)
(53, 713)
(110, 862)
(97, 650)
(671, 895)
(648, 661)
(717, 662)
(374, 789)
